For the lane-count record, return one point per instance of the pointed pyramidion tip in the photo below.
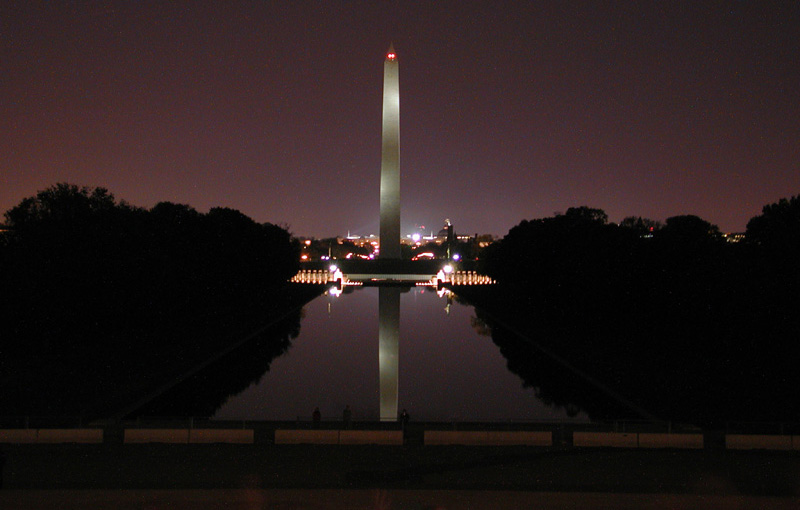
(390, 54)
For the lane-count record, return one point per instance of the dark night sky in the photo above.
(507, 113)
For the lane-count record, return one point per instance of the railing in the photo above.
(625, 433)
(324, 277)
(468, 278)
(315, 276)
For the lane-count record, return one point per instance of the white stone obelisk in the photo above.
(390, 160)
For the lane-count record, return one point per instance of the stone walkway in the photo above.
(161, 476)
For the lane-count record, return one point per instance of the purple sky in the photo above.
(507, 113)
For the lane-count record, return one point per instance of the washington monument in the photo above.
(389, 297)
(390, 160)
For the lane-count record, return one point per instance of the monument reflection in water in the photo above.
(389, 350)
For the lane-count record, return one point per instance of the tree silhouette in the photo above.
(588, 214)
(689, 229)
(642, 226)
(778, 226)
(95, 286)
(65, 205)
(683, 324)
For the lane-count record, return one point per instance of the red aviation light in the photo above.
(391, 56)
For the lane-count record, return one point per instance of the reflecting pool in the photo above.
(441, 365)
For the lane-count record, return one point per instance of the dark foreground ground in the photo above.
(419, 477)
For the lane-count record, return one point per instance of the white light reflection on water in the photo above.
(447, 371)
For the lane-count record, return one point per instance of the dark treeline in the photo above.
(99, 296)
(672, 317)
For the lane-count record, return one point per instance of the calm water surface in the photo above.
(447, 370)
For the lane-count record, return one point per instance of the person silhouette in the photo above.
(316, 417)
(404, 417)
(347, 416)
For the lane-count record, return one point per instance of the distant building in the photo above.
(368, 246)
(733, 237)
(484, 240)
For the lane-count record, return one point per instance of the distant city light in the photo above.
(333, 268)
(456, 256)
(415, 237)
(448, 269)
